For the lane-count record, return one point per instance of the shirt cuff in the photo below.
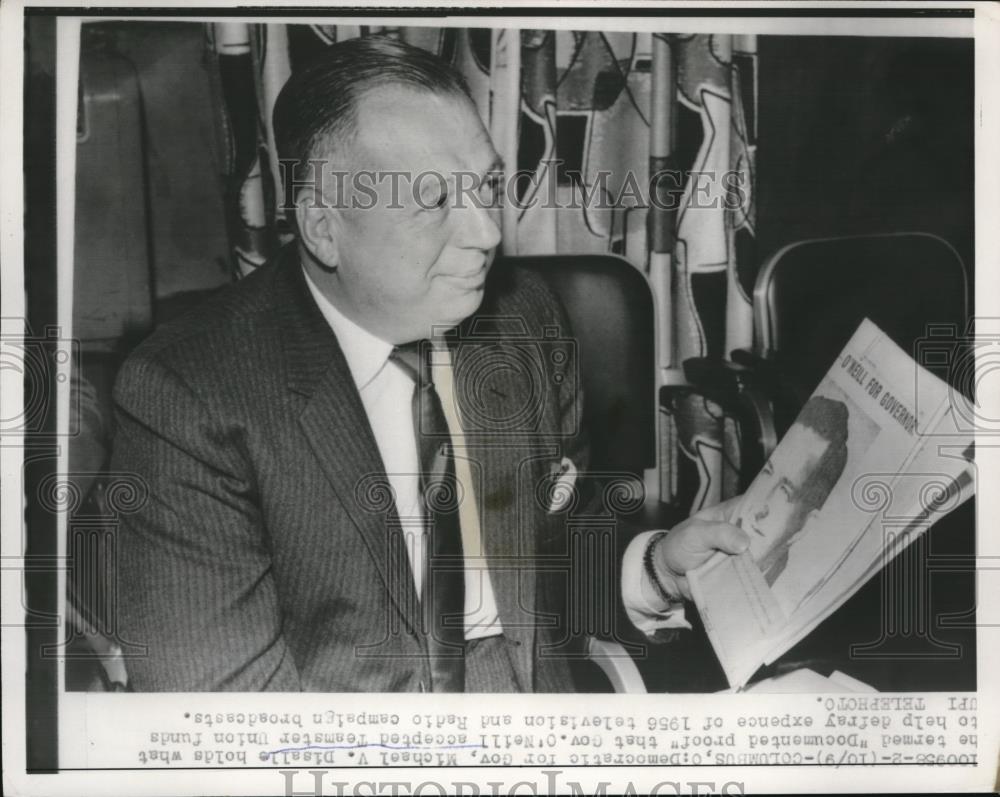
(645, 615)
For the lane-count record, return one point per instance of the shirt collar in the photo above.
(365, 353)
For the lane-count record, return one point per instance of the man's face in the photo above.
(413, 256)
(774, 509)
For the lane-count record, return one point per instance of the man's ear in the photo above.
(318, 228)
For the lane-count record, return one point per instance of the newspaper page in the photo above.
(802, 512)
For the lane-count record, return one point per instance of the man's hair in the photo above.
(828, 419)
(318, 106)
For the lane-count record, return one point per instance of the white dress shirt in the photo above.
(386, 392)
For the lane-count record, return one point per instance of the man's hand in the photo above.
(692, 542)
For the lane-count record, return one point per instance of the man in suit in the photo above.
(344, 452)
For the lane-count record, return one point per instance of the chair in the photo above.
(610, 307)
(809, 298)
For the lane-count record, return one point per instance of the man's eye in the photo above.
(439, 202)
(434, 200)
(489, 191)
(432, 194)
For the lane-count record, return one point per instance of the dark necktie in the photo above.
(443, 599)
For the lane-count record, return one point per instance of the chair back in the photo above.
(610, 308)
(811, 296)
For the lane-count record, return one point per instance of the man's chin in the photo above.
(463, 304)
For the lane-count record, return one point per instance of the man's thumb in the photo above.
(728, 538)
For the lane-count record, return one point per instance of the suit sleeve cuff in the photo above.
(646, 615)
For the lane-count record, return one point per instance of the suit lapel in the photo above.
(336, 426)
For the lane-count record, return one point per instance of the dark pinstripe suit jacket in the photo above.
(267, 555)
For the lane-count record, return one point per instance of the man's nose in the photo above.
(479, 227)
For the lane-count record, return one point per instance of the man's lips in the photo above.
(472, 279)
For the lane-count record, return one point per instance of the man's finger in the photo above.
(725, 537)
(720, 512)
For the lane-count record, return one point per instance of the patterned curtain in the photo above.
(713, 263)
(593, 123)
